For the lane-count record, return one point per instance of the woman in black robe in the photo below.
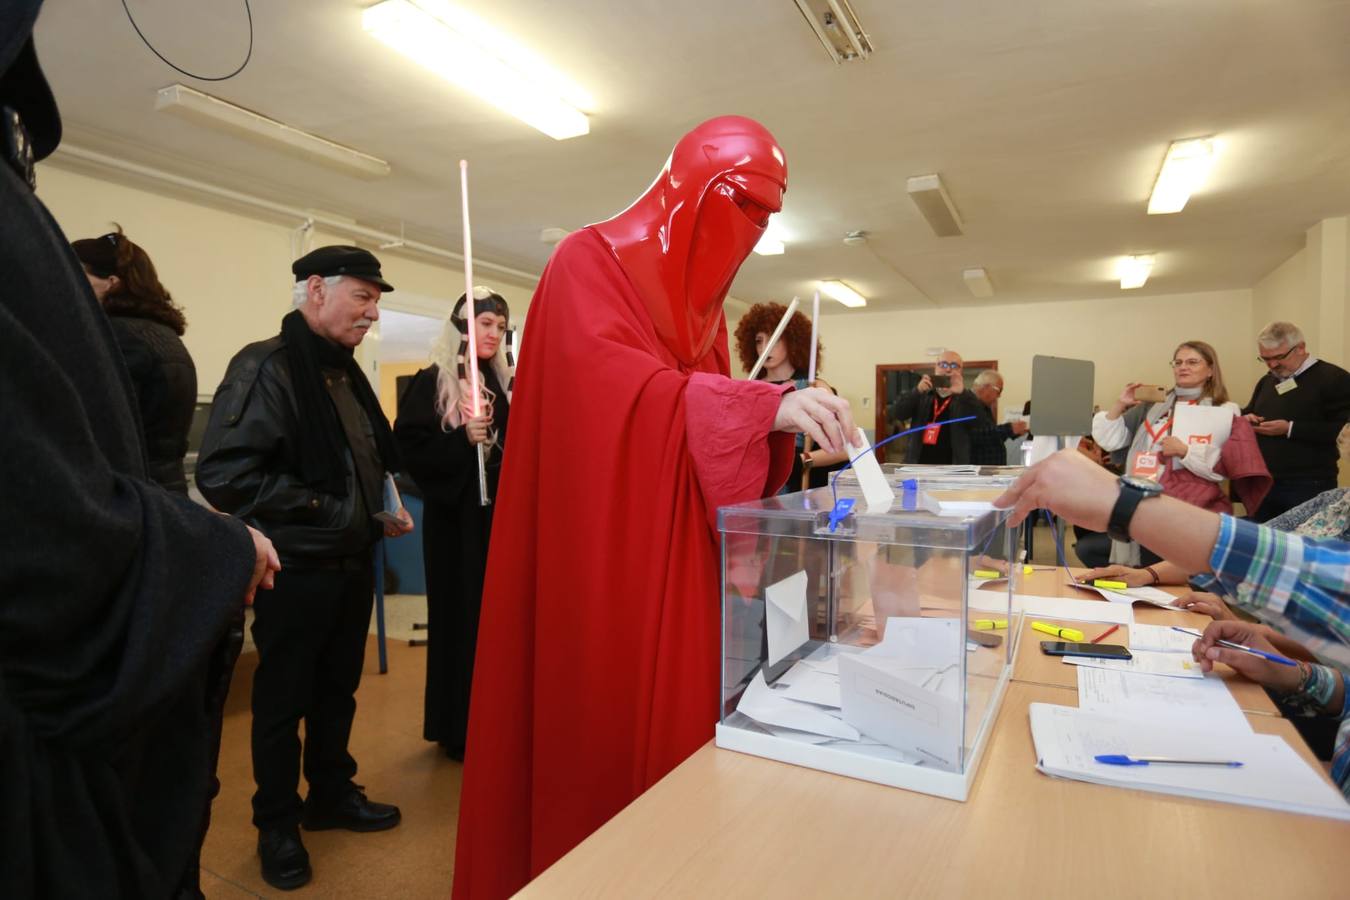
(438, 436)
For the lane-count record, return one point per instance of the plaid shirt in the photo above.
(1283, 578)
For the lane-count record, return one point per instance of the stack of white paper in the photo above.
(1201, 703)
(1160, 638)
(1272, 775)
(1144, 662)
(1150, 595)
(1055, 607)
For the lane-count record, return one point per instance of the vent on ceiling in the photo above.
(837, 26)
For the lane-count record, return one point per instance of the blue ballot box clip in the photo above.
(841, 509)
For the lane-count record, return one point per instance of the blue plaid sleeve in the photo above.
(1271, 570)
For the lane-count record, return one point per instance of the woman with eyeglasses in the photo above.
(148, 327)
(1139, 436)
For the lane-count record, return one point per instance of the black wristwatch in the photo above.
(1133, 491)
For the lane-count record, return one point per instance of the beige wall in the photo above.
(231, 271)
(1129, 338)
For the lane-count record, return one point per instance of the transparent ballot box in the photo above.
(875, 643)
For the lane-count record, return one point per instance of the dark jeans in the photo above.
(1287, 493)
(311, 635)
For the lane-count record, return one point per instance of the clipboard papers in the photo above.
(1272, 775)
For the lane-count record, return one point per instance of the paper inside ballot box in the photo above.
(910, 702)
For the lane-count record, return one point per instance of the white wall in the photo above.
(1129, 338)
(230, 271)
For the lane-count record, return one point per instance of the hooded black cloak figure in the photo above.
(113, 592)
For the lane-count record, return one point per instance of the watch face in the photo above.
(1147, 485)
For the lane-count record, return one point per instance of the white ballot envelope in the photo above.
(785, 616)
(393, 503)
(894, 706)
(876, 489)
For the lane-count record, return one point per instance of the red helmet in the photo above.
(682, 242)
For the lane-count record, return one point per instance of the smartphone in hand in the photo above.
(1150, 393)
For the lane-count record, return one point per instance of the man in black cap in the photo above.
(114, 593)
(297, 446)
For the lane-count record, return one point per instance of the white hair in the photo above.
(988, 376)
(300, 292)
(1278, 334)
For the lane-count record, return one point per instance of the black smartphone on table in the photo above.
(1095, 651)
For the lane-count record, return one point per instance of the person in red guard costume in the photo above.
(597, 668)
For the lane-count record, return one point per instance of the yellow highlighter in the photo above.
(1110, 585)
(1027, 570)
(986, 573)
(1068, 634)
(990, 624)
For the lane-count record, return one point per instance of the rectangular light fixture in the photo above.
(1134, 271)
(1183, 171)
(843, 293)
(184, 101)
(772, 242)
(837, 27)
(931, 198)
(977, 280)
(471, 54)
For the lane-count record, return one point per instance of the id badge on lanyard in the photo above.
(930, 434)
(1146, 465)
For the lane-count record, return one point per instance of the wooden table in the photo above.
(724, 824)
(1031, 665)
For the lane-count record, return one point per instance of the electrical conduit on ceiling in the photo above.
(104, 162)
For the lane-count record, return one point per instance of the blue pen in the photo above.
(1273, 657)
(1120, 759)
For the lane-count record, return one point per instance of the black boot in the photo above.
(285, 862)
(350, 810)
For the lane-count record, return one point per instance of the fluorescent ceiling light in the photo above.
(1134, 271)
(1183, 172)
(843, 293)
(837, 27)
(772, 242)
(191, 104)
(931, 198)
(978, 282)
(471, 54)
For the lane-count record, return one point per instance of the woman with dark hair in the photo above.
(788, 361)
(148, 327)
(1140, 438)
(439, 436)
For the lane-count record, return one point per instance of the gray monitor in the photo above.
(1061, 396)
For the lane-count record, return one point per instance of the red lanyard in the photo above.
(1164, 429)
(939, 409)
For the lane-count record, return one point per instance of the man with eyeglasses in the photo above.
(1297, 409)
(936, 400)
(988, 439)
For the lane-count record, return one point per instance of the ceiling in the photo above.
(1047, 119)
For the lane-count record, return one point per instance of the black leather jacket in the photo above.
(249, 465)
(166, 393)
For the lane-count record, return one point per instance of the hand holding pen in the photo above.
(1245, 647)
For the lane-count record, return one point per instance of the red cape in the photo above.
(598, 649)
(1240, 461)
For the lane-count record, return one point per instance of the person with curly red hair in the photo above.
(788, 361)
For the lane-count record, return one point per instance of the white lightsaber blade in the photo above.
(472, 320)
(815, 318)
(773, 339)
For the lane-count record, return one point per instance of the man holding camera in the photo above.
(939, 398)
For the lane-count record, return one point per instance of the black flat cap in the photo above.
(340, 260)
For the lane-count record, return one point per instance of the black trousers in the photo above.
(310, 631)
(1286, 493)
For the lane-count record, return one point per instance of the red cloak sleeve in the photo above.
(1240, 461)
(597, 666)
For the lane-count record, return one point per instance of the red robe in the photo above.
(598, 650)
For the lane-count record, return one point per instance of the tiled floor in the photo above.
(397, 766)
